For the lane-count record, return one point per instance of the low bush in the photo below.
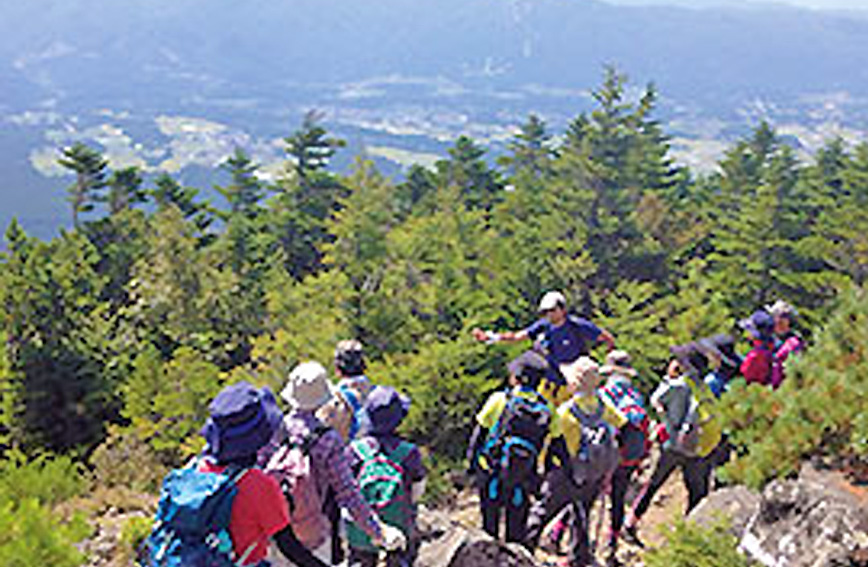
(691, 545)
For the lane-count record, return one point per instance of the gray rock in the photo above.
(802, 523)
(445, 543)
(737, 504)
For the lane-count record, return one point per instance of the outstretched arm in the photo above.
(502, 337)
(606, 337)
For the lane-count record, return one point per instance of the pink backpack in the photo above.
(291, 466)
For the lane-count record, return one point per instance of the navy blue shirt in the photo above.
(566, 342)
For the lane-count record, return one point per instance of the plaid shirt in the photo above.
(330, 460)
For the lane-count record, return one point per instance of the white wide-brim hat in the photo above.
(308, 387)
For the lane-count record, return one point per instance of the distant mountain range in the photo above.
(175, 84)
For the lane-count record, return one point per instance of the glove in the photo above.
(393, 538)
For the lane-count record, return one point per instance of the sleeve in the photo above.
(536, 328)
(414, 466)
(661, 394)
(490, 412)
(271, 505)
(340, 478)
(474, 447)
(586, 329)
(294, 550)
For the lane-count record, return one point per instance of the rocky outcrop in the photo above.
(806, 522)
(446, 543)
(736, 504)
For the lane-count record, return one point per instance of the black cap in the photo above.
(529, 368)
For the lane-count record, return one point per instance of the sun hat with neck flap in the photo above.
(242, 420)
(386, 409)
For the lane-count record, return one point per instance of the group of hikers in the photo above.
(332, 481)
(567, 430)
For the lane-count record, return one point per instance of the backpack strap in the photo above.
(400, 453)
(584, 417)
(311, 439)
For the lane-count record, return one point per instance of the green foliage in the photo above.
(47, 479)
(31, 533)
(134, 532)
(818, 409)
(691, 545)
(89, 167)
(126, 461)
(121, 330)
(167, 402)
(447, 381)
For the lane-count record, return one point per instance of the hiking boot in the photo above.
(631, 536)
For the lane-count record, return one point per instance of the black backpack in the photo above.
(516, 440)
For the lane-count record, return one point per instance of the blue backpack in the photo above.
(516, 440)
(192, 523)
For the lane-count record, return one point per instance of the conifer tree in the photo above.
(124, 190)
(478, 185)
(89, 167)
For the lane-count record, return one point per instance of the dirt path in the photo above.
(668, 504)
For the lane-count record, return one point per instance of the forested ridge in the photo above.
(118, 332)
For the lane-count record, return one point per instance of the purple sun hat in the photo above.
(386, 408)
(242, 420)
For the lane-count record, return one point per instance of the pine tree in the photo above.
(167, 192)
(124, 190)
(478, 185)
(89, 167)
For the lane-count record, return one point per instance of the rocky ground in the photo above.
(817, 520)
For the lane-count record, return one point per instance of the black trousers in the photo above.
(558, 492)
(498, 501)
(365, 558)
(621, 479)
(696, 472)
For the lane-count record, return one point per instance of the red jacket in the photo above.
(757, 365)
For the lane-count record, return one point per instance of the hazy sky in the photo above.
(818, 4)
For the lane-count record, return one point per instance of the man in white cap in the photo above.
(562, 337)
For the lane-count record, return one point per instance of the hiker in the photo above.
(345, 412)
(722, 361)
(224, 486)
(787, 341)
(583, 440)
(758, 365)
(507, 440)
(633, 446)
(391, 476)
(561, 337)
(325, 478)
(633, 437)
(691, 434)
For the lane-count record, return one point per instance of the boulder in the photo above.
(446, 543)
(737, 504)
(807, 523)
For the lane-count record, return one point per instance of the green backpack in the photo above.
(381, 481)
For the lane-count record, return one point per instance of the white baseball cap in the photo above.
(551, 300)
